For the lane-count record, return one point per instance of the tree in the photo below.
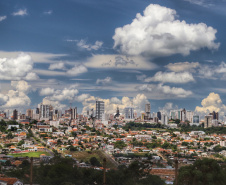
(120, 144)
(10, 135)
(202, 172)
(94, 161)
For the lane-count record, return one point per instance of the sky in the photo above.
(170, 53)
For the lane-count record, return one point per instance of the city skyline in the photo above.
(77, 52)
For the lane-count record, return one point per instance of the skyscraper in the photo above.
(148, 110)
(208, 121)
(159, 115)
(15, 114)
(74, 113)
(129, 113)
(214, 115)
(44, 111)
(29, 113)
(99, 110)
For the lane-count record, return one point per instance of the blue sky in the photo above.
(169, 53)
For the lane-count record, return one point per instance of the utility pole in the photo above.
(104, 166)
(176, 172)
(31, 170)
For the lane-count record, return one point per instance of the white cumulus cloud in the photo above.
(21, 86)
(3, 18)
(15, 68)
(77, 70)
(84, 45)
(59, 65)
(171, 77)
(161, 91)
(104, 81)
(158, 33)
(182, 66)
(46, 91)
(20, 12)
(211, 103)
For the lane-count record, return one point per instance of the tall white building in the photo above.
(44, 112)
(129, 113)
(99, 110)
(189, 116)
(74, 113)
(148, 110)
(164, 119)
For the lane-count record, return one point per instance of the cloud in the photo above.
(16, 98)
(15, 68)
(37, 57)
(171, 77)
(55, 104)
(182, 66)
(31, 76)
(49, 12)
(3, 18)
(206, 71)
(161, 91)
(158, 33)
(115, 100)
(21, 86)
(59, 65)
(82, 97)
(119, 62)
(104, 81)
(204, 3)
(138, 102)
(211, 103)
(221, 68)
(168, 107)
(20, 12)
(46, 91)
(3, 99)
(141, 77)
(77, 70)
(83, 44)
(59, 95)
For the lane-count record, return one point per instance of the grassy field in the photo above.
(85, 156)
(30, 154)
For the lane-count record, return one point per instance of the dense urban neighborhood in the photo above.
(163, 144)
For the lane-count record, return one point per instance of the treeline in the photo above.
(203, 172)
(63, 171)
(210, 130)
(141, 126)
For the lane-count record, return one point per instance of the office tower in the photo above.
(44, 111)
(183, 115)
(196, 119)
(37, 110)
(148, 110)
(159, 115)
(208, 121)
(173, 114)
(29, 113)
(59, 113)
(129, 113)
(74, 113)
(99, 110)
(214, 115)
(15, 114)
(164, 119)
(189, 116)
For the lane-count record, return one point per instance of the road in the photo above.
(109, 158)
